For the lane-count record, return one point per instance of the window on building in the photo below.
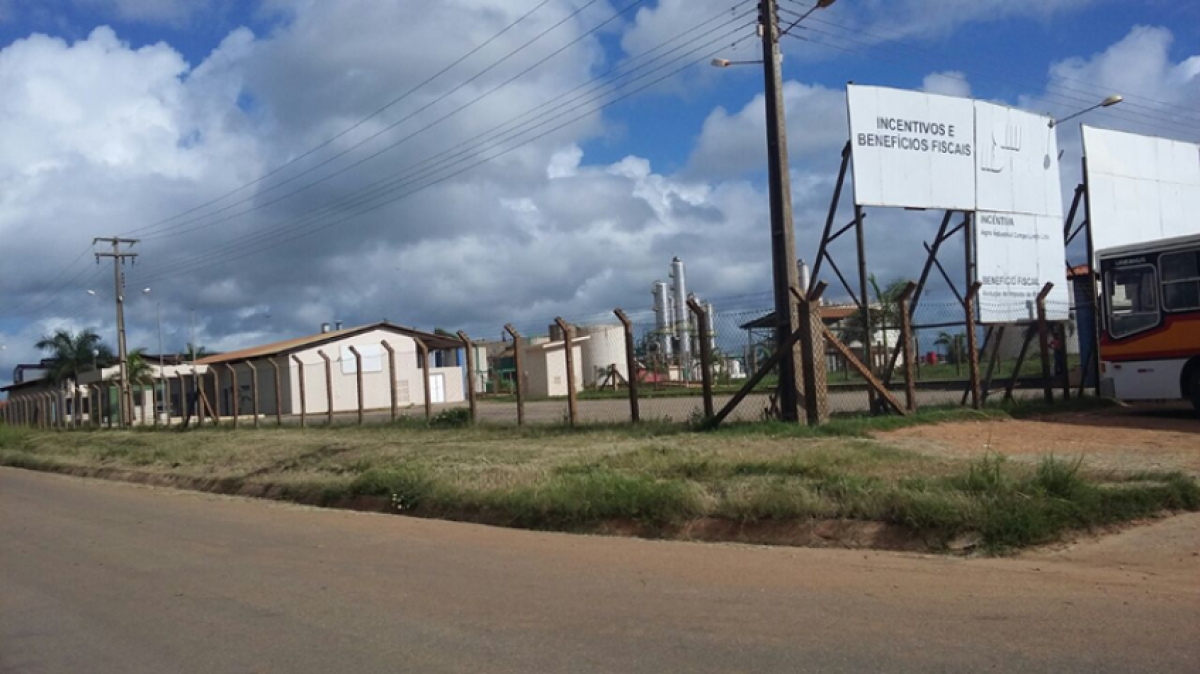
(1181, 280)
(1132, 300)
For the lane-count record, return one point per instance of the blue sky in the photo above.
(134, 111)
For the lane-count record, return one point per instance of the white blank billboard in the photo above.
(1140, 188)
(911, 149)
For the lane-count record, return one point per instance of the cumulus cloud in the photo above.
(948, 82)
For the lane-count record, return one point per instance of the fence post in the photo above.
(235, 401)
(303, 393)
(1044, 342)
(997, 344)
(910, 352)
(569, 355)
(278, 392)
(705, 356)
(520, 390)
(253, 391)
(391, 376)
(635, 413)
(328, 386)
(358, 381)
(973, 344)
(1016, 373)
(425, 365)
(215, 404)
(1061, 330)
(470, 371)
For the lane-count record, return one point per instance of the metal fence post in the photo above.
(910, 352)
(973, 344)
(328, 386)
(569, 355)
(303, 393)
(470, 371)
(253, 390)
(520, 390)
(358, 381)
(706, 379)
(635, 413)
(278, 392)
(1044, 342)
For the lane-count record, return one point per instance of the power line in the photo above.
(484, 160)
(410, 175)
(406, 118)
(354, 126)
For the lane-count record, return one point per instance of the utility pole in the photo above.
(118, 257)
(162, 368)
(783, 237)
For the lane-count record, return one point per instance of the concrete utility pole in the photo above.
(783, 237)
(118, 257)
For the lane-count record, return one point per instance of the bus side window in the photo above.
(1181, 280)
(1132, 300)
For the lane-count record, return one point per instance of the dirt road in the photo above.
(109, 577)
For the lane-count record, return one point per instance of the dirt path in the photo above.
(1161, 438)
(102, 576)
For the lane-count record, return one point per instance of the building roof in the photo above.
(829, 314)
(434, 342)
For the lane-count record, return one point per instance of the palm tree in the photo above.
(71, 353)
(140, 371)
(196, 352)
(885, 313)
(956, 348)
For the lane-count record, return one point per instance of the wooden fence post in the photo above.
(910, 352)
(635, 413)
(235, 400)
(215, 404)
(358, 381)
(569, 354)
(1066, 372)
(391, 376)
(328, 385)
(973, 344)
(253, 391)
(706, 380)
(812, 355)
(517, 373)
(470, 371)
(303, 392)
(425, 365)
(1044, 342)
(278, 392)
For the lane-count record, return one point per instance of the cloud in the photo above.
(732, 144)
(949, 83)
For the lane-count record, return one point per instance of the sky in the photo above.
(470, 163)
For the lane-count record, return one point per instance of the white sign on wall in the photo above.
(1140, 188)
(911, 149)
(1017, 253)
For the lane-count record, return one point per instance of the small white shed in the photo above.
(545, 368)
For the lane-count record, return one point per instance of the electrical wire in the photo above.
(409, 176)
(352, 127)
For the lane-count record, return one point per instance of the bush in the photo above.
(458, 417)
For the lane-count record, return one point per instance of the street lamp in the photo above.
(1106, 103)
(725, 63)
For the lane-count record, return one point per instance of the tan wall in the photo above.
(546, 370)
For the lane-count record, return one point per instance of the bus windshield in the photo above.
(1132, 300)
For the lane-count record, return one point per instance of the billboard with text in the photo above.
(1140, 188)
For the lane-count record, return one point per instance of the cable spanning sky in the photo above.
(478, 162)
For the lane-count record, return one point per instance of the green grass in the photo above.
(655, 475)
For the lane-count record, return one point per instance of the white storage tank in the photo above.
(604, 348)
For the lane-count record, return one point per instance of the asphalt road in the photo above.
(107, 577)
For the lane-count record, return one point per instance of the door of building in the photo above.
(437, 388)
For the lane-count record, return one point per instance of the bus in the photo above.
(1150, 337)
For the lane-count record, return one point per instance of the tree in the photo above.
(956, 348)
(195, 352)
(72, 353)
(885, 313)
(140, 371)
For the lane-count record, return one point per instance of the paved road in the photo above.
(107, 577)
